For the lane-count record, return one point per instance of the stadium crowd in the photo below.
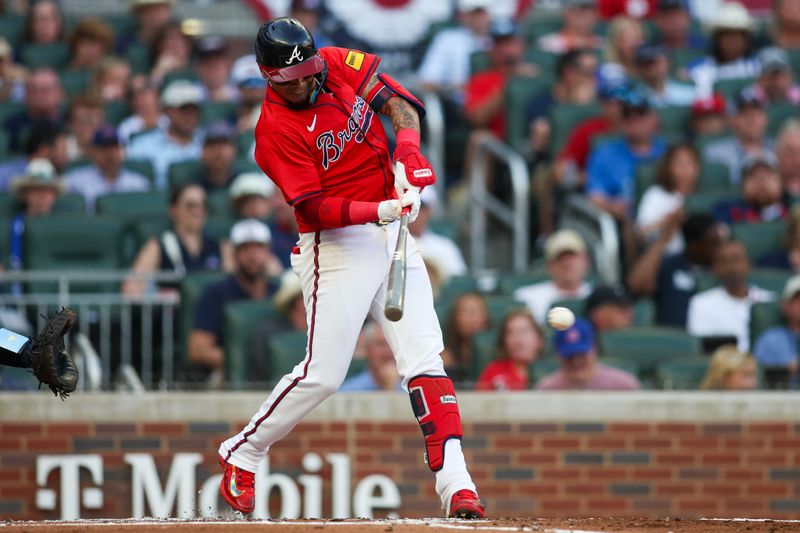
(686, 134)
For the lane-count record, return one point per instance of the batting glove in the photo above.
(411, 169)
(390, 210)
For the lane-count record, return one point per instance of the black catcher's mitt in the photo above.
(51, 364)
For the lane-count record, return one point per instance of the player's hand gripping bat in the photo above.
(396, 287)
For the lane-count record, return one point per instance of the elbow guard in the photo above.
(389, 87)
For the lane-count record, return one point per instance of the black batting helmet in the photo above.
(285, 51)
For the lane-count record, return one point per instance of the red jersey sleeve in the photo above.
(290, 164)
(353, 67)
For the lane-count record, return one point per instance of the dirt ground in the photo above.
(621, 525)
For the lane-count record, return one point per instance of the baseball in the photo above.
(560, 318)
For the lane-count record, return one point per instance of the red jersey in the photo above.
(480, 88)
(501, 374)
(579, 143)
(336, 147)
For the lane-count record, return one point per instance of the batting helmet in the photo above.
(285, 51)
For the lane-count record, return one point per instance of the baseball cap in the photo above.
(607, 295)
(774, 59)
(747, 97)
(712, 105)
(671, 4)
(792, 288)
(211, 46)
(764, 159)
(577, 340)
(649, 52)
(245, 73)
(180, 93)
(635, 101)
(732, 16)
(289, 290)
(250, 230)
(251, 184)
(565, 240)
(106, 135)
(503, 29)
(218, 132)
(39, 173)
(465, 6)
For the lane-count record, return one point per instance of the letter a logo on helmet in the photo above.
(295, 55)
(285, 51)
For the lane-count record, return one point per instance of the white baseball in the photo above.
(560, 318)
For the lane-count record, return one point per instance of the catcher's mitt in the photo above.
(51, 364)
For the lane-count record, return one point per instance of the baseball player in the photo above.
(320, 141)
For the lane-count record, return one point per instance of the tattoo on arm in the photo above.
(402, 113)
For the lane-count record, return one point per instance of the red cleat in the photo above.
(238, 487)
(466, 504)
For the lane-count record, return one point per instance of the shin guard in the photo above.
(433, 400)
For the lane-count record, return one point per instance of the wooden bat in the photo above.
(396, 287)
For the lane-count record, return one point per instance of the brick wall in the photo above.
(746, 469)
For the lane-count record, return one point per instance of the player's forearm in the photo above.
(335, 212)
(402, 113)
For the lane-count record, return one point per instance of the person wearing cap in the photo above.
(381, 372)
(652, 66)
(151, 16)
(725, 310)
(609, 307)
(775, 84)
(219, 152)
(787, 149)
(786, 24)
(580, 17)
(214, 67)
(248, 281)
(43, 142)
(251, 195)
(181, 140)
(308, 12)
(673, 26)
(611, 171)
(709, 116)
(442, 250)
(105, 174)
(445, 68)
(747, 119)
(778, 346)
(44, 98)
(579, 366)
(567, 265)
(251, 85)
(671, 279)
(12, 76)
(762, 197)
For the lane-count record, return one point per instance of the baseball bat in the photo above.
(396, 287)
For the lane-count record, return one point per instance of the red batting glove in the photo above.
(415, 170)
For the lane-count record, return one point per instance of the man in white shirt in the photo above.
(652, 64)
(438, 248)
(568, 266)
(725, 310)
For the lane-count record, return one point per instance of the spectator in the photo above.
(437, 274)
(731, 369)
(676, 178)
(731, 54)
(777, 348)
(468, 316)
(43, 100)
(611, 171)
(252, 195)
(105, 174)
(484, 94)
(775, 84)
(250, 240)
(44, 24)
(170, 52)
(788, 258)
(579, 368)
(183, 249)
(609, 307)
(284, 230)
(85, 116)
(787, 149)
(251, 85)
(381, 372)
(111, 80)
(217, 156)
(580, 17)
(762, 198)
(625, 35)
(567, 265)
(146, 113)
(151, 16)
(446, 65)
(652, 67)
(673, 26)
(520, 344)
(12, 76)
(181, 140)
(748, 120)
(725, 310)
(308, 12)
(443, 251)
(786, 29)
(91, 40)
(44, 142)
(709, 116)
(214, 67)
(671, 279)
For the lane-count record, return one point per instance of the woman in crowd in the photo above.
(91, 40)
(624, 36)
(468, 317)
(519, 344)
(111, 80)
(44, 24)
(171, 52)
(731, 370)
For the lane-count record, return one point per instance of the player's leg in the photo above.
(416, 341)
(15, 349)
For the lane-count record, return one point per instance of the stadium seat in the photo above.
(770, 279)
(777, 114)
(356, 367)
(512, 281)
(132, 207)
(645, 177)
(714, 177)
(192, 286)
(117, 111)
(729, 88)
(564, 118)
(622, 363)
(12, 27)
(543, 366)
(675, 121)
(218, 227)
(8, 203)
(219, 204)
(9, 109)
(241, 319)
(682, 373)
(520, 91)
(499, 305)
(123, 23)
(483, 351)
(71, 202)
(244, 144)
(187, 74)
(54, 55)
(644, 312)
(794, 59)
(139, 58)
(444, 227)
(764, 315)
(75, 82)
(215, 111)
(288, 349)
(576, 305)
(141, 166)
(704, 201)
(184, 171)
(4, 142)
(151, 227)
(648, 345)
(458, 285)
(682, 57)
(759, 237)
(535, 28)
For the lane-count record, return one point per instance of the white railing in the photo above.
(436, 127)
(600, 232)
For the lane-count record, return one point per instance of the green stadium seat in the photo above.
(648, 345)
(544, 366)
(183, 172)
(241, 319)
(483, 351)
(9, 109)
(117, 111)
(151, 227)
(8, 203)
(75, 82)
(628, 365)
(519, 91)
(770, 279)
(219, 204)
(122, 23)
(704, 201)
(458, 285)
(444, 227)
(141, 166)
(139, 58)
(180, 75)
(218, 227)
(4, 142)
(759, 237)
(682, 57)
(729, 88)
(54, 56)
(675, 121)
(211, 112)
(71, 202)
(131, 206)
(534, 28)
(244, 144)
(564, 118)
(714, 177)
(288, 349)
(357, 366)
(510, 282)
(645, 175)
(777, 114)
(499, 305)
(644, 312)
(682, 373)
(12, 27)
(764, 315)
(192, 286)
